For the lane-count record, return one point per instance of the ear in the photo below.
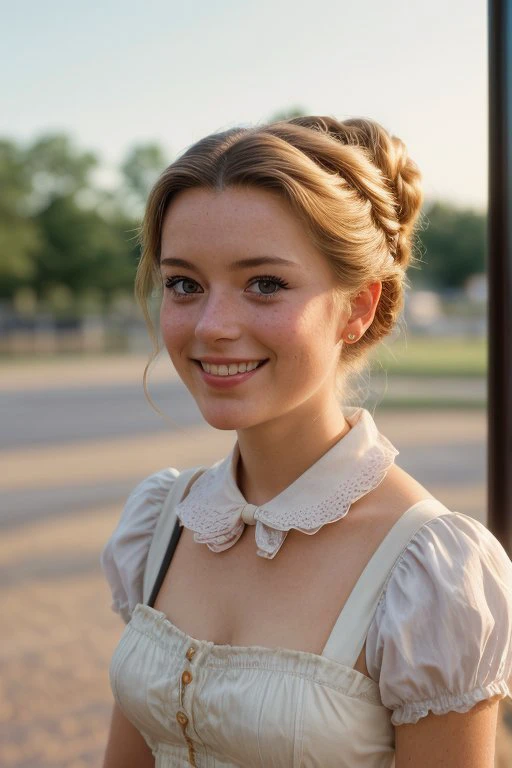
(362, 311)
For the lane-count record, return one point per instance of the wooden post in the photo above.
(499, 269)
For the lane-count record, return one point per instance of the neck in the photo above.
(273, 455)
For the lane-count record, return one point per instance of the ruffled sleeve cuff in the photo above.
(124, 556)
(448, 702)
(441, 637)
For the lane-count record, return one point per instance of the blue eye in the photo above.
(269, 280)
(172, 282)
(269, 286)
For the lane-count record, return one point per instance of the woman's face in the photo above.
(243, 283)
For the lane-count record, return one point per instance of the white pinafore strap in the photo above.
(165, 526)
(349, 633)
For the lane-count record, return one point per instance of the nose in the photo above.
(219, 318)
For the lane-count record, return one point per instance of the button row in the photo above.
(190, 653)
(181, 717)
(183, 721)
(186, 677)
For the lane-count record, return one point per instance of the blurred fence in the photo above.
(47, 334)
(123, 330)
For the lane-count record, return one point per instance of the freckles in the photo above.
(167, 327)
(286, 320)
(179, 326)
(319, 320)
(175, 323)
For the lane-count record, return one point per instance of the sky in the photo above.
(118, 72)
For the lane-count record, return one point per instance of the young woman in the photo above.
(383, 635)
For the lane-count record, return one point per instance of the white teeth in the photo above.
(229, 370)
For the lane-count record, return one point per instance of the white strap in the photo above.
(165, 526)
(349, 633)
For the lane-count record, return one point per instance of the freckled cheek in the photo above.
(302, 341)
(176, 329)
(275, 327)
(290, 339)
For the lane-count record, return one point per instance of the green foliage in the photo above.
(19, 237)
(57, 169)
(54, 244)
(444, 356)
(80, 250)
(140, 169)
(61, 236)
(16, 177)
(288, 114)
(453, 246)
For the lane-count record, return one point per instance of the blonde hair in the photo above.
(351, 183)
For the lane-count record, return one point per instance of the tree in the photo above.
(19, 236)
(287, 114)
(140, 169)
(59, 232)
(57, 169)
(82, 250)
(453, 244)
(82, 247)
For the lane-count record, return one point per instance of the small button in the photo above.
(186, 677)
(190, 653)
(181, 718)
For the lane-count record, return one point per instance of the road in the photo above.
(72, 446)
(42, 430)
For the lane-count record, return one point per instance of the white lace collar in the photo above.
(217, 512)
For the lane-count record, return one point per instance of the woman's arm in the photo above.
(126, 747)
(453, 740)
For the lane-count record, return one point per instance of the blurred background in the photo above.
(98, 99)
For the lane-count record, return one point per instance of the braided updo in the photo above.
(351, 183)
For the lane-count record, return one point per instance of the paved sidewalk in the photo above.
(90, 370)
(55, 698)
(101, 370)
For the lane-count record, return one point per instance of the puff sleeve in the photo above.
(123, 558)
(441, 637)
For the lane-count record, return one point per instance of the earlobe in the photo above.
(351, 338)
(363, 306)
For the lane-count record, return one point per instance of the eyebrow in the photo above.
(256, 261)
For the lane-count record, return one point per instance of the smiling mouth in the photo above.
(222, 371)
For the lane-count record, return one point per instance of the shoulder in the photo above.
(441, 637)
(399, 490)
(124, 555)
(387, 502)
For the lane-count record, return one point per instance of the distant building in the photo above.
(476, 288)
(423, 308)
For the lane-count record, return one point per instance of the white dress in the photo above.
(434, 605)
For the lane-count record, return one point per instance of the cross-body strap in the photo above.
(165, 527)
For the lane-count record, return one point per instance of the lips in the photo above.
(226, 364)
(227, 381)
(228, 360)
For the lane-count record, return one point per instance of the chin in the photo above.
(228, 421)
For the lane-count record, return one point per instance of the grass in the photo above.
(429, 403)
(418, 356)
(415, 357)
